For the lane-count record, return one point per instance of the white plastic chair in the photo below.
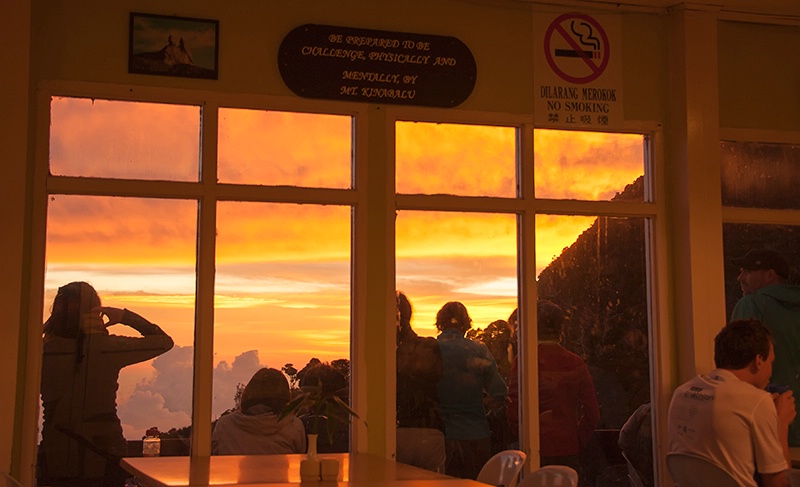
(633, 475)
(503, 468)
(9, 481)
(551, 476)
(693, 471)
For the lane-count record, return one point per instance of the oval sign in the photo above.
(374, 66)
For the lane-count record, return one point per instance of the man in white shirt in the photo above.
(728, 418)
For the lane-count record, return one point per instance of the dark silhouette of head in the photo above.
(453, 315)
(267, 387)
(73, 302)
(550, 318)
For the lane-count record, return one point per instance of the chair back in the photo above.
(6, 480)
(633, 475)
(503, 468)
(551, 476)
(693, 471)
(794, 477)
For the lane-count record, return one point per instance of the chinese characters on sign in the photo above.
(341, 63)
(578, 73)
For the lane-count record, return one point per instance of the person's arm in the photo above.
(129, 318)
(591, 410)
(129, 350)
(785, 406)
(493, 382)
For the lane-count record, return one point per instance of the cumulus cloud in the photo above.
(145, 409)
(228, 376)
(164, 399)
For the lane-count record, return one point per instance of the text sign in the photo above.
(578, 72)
(342, 63)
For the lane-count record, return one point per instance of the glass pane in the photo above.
(759, 175)
(740, 238)
(766, 288)
(123, 139)
(282, 302)
(285, 148)
(592, 166)
(443, 258)
(593, 341)
(138, 255)
(464, 160)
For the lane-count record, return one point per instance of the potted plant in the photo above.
(321, 407)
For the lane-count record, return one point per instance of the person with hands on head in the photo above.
(728, 418)
(82, 438)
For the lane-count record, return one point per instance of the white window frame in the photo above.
(372, 242)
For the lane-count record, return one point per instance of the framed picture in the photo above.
(173, 46)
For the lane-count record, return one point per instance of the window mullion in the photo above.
(204, 305)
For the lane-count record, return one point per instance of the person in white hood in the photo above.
(254, 428)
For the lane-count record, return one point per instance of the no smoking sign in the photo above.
(576, 48)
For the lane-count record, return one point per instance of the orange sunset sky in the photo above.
(283, 271)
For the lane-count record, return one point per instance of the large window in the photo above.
(131, 213)
(259, 235)
(593, 268)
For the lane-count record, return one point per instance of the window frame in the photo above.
(373, 247)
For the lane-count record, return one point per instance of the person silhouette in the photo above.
(568, 409)
(82, 438)
(468, 370)
(255, 428)
(420, 427)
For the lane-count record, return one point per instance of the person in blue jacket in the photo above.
(769, 298)
(468, 370)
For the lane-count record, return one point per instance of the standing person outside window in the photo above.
(468, 369)
(769, 298)
(568, 409)
(82, 439)
(420, 427)
(728, 418)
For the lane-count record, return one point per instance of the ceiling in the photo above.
(788, 9)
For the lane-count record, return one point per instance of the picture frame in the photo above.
(173, 46)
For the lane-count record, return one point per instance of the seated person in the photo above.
(254, 428)
(728, 418)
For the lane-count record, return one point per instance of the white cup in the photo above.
(330, 469)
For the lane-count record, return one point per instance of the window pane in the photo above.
(285, 148)
(139, 255)
(282, 301)
(592, 166)
(122, 139)
(740, 238)
(596, 273)
(767, 289)
(464, 160)
(759, 175)
(442, 257)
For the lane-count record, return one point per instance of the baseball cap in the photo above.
(764, 259)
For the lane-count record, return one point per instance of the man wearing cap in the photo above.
(770, 299)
